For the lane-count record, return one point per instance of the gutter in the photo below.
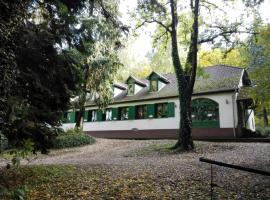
(233, 104)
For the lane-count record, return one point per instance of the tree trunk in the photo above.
(79, 120)
(185, 85)
(82, 100)
(265, 117)
(185, 141)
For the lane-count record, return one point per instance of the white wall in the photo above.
(161, 85)
(137, 88)
(68, 126)
(116, 91)
(251, 120)
(140, 124)
(226, 118)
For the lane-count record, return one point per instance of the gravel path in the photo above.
(131, 153)
(140, 156)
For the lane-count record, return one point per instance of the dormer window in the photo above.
(131, 89)
(154, 85)
(157, 82)
(134, 85)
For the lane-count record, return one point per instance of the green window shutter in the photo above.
(86, 116)
(99, 115)
(151, 111)
(170, 109)
(71, 117)
(115, 113)
(131, 112)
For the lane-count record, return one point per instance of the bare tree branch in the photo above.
(225, 35)
(154, 21)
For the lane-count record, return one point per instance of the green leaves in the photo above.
(37, 77)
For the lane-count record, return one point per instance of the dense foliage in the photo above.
(39, 74)
(259, 67)
(263, 131)
(3, 142)
(97, 58)
(38, 78)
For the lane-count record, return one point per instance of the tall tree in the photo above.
(258, 55)
(153, 11)
(39, 77)
(166, 16)
(97, 58)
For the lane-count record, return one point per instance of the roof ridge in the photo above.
(224, 65)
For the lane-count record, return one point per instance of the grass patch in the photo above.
(160, 148)
(163, 149)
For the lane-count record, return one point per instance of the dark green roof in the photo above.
(219, 78)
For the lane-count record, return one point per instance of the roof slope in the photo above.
(217, 78)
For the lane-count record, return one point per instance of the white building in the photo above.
(149, 108)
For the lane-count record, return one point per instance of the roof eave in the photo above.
(172, 96)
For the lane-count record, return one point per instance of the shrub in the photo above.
(263, 131)
(72, 138)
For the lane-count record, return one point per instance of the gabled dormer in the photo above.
(134, 85)
(157, 81)
(118, 89)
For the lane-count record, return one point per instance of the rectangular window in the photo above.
(154, 85)
(130, 89)
(141, 112)
(108, 114)
(93, 115)
(124, 113)
(161, 110)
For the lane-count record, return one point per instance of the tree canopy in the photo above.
(39, 74)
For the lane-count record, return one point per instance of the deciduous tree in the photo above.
(217, 31)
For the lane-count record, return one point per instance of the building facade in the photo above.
(149, 108)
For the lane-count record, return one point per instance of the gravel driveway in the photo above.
(140, 156)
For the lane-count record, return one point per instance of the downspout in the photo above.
(233, 104)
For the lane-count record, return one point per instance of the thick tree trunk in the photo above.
(185, 141)
(185, 85)
(265, 117)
